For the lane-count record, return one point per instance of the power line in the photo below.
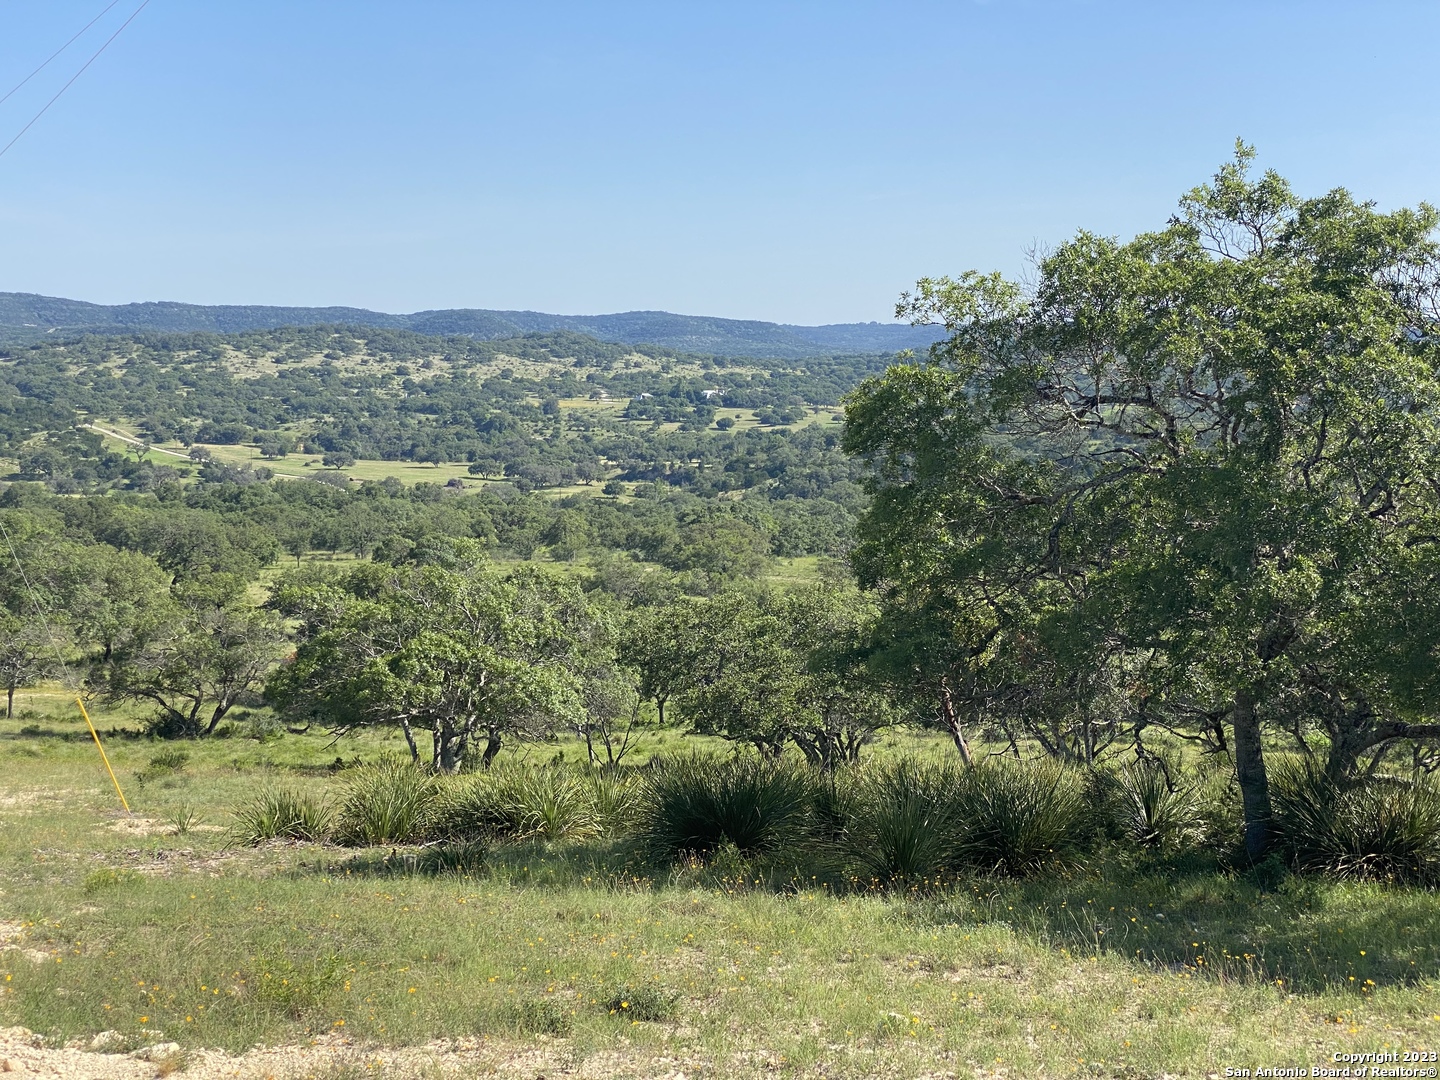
(77, 75)
(58, 51)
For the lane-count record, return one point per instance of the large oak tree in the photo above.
(1191, 479)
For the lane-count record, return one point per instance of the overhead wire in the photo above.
(93, 58)
(58, 51)
(4, 532)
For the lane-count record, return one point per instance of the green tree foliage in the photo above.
(1191, 479)
(777, 669)
(193, 665)
(451, 645)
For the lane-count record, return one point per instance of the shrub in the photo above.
(476, 807)
(1218, 815)
(463, 857)
(108, 878)
(1152, 811)
(1017, 818)
(282, 814)
(553, 803)
(692, 805)
(615, 796)
(541, 1016)
(164, 762)
(903, 825)
(1384, 830)
(390, 802)
(835, 801)
(556, 803)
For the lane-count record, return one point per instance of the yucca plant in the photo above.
(1385, 830)
(615, 797)
(283, 814)
(1152, 811)
(477, 807)
(693, 805)
(553, 803)
(390, 802)
(835, 799)
(902, 826)
(1019, 817)
(550, 802)
(464, 857)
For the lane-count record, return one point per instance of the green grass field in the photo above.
(154, 927)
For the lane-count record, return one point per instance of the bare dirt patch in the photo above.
(23, 1053)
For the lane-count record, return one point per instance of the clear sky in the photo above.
(795, 162)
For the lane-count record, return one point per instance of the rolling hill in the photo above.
(30, 317)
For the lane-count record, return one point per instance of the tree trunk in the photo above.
(953, 725)
(410, 741)
(10, 702)
(492, 747)
(1250, 770)
(216, 717)
(450, 748)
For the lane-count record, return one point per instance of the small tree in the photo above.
(27, 655)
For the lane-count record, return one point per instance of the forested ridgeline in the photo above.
(355, 393)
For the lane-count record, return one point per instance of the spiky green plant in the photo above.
(515, 803)
(1153, 811)
(463, 857)
(902, 823)
(553, 803)
(283, 814)
(1383, 830)
(692, 805)
(835, 799)
(390, 802)
(615, 797)
(1017, 818)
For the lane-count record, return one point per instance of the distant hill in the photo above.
(26, 316)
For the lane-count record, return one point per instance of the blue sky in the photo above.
(795, 162)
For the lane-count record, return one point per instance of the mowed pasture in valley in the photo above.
(580, 956)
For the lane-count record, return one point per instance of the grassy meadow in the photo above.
(158, 925)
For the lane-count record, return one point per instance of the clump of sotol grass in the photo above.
(1019, 818)
(903, 824)
(917, 820)
(693, 805)
(556, 803)
(167, 762)
(1383, 830)
(283, 814)
(1152, 809)
(390, 802)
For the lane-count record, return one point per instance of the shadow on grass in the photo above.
(538, 863)
(1308, 935)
